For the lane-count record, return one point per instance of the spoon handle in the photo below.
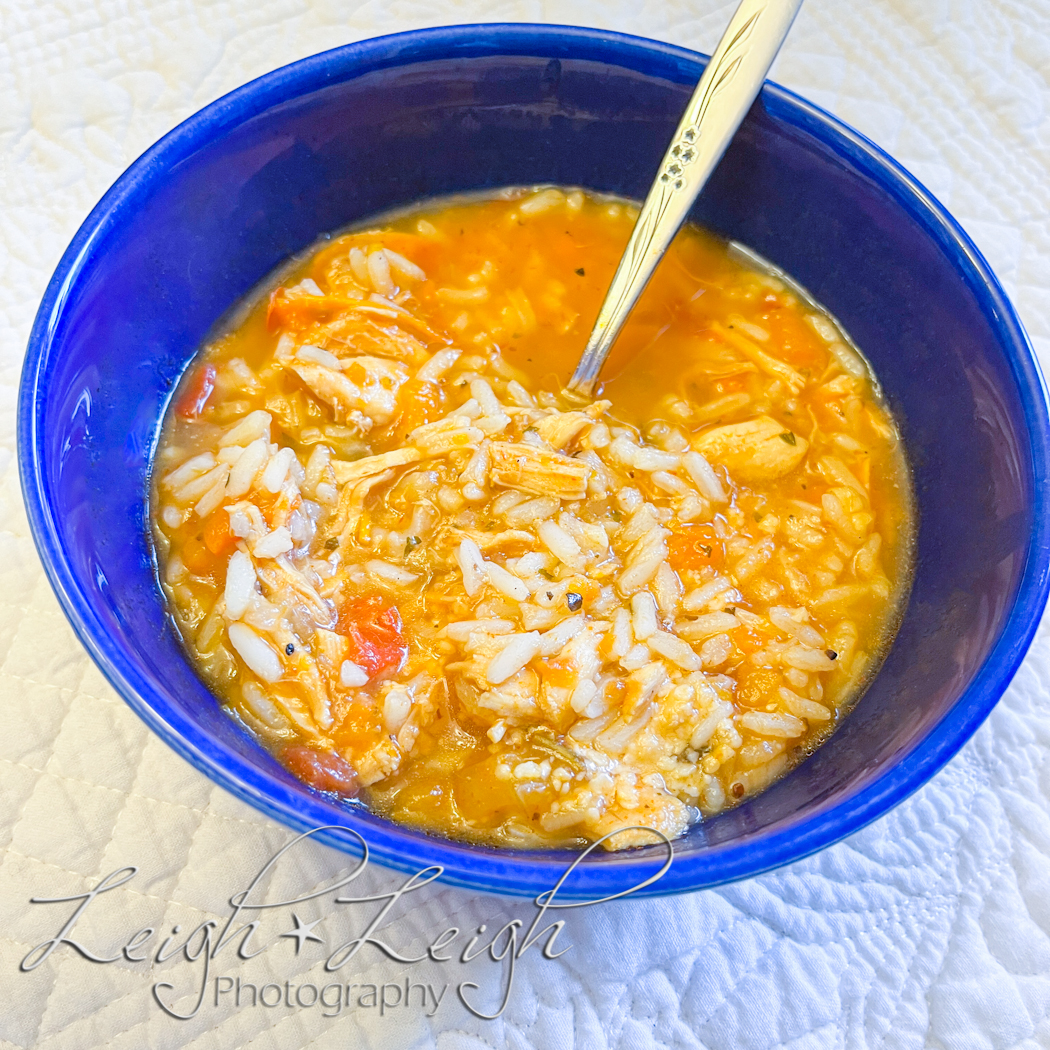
(729, 86)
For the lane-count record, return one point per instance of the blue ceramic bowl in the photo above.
(193, 224)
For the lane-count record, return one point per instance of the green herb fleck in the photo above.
(410, 544)
(616, 515)
(788, 438)
(331, 543)
(547, 575)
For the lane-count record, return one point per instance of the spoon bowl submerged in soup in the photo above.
(427, 579)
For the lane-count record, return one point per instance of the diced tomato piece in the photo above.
(217, 536)
(323, 770)
(376, 633)
(695, 547)
(193, 399)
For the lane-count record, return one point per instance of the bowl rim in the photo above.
(508, 872)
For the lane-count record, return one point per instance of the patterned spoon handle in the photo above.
(727, 89)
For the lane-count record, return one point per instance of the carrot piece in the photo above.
(193, 399)
(198, 559)
(376, 634)
(217, 536)
(360, 730)
(303, 311)
(695, 547)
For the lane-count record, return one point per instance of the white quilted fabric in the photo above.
(931, 928)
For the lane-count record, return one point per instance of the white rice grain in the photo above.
(767, 723)
(244, 470)
(379, 273)
(255, 425)
(803, 708)
(807, 659)
(211, 499)
(531, 511)
(697, 600)
(706, 626)
(437, 366)
(519, 650)
(645, 559)
(191, 491)
(172, 516)
(176, 570)
(560, 544)
(318, 356)
(528, 565)
(461, 630)
(240, 584)
(319, 459)
(668, 590)
(554, 640)
(260, 705)
(192, 468)
(404, 268)
(506, 583)
(471, 565)
(782, 617)
(391, 573)
(541, 202)
(397, 706)
(704, 477)
(277, 470)
(582, 695)
(274, 543)
(620, 638)
(715, 651)
(642, 520)
(643, 615)
(518, 395)
(672, 647)
(705, 728)
(482, 393)
(635, 657)
(259, 655)
(641, 457)
(351, 676)
(464, 295)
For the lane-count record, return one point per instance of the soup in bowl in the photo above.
(426, 577)
(329, 143)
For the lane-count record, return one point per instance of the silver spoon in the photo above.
(727, 89)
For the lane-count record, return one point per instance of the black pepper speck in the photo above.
(575, 601)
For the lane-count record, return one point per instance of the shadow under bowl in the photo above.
(258, 175)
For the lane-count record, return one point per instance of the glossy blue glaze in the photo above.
(258, 175)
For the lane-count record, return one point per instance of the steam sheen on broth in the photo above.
(426, 579)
